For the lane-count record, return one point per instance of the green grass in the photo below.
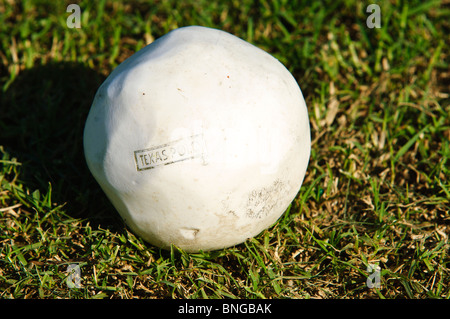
(377, 190)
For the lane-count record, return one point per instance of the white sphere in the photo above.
(200, 140)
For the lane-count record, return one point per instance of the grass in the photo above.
(377, 190)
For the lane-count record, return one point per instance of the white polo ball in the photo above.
(200, 140)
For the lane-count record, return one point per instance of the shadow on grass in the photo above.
(42, 120)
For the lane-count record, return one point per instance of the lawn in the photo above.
(372, 219)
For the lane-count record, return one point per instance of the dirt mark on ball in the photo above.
(261, 202)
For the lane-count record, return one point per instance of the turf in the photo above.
(377, 190)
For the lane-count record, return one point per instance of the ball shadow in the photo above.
(42, 116)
